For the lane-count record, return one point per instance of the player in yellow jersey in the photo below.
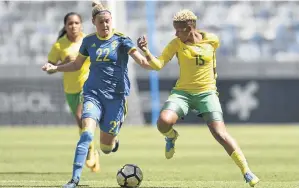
(196, 87)
(66, 50)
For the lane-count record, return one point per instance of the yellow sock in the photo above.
(91, 146)
(170, 133)
(240, 160)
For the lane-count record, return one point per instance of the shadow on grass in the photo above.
(8, 186)
(82, 186)
(32, 173)
(140, 187)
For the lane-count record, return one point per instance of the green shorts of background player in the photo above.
(207, 106)
(75, 101)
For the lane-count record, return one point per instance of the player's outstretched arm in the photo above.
(140, 59)
(161, 61)
(153, 62)
(69, 67)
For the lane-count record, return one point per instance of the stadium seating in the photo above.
(249, 31)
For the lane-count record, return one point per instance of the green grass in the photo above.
(43, 156)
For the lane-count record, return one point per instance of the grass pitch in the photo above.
(43, 156)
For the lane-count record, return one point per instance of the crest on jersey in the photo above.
(114, 45)
(196, 49)
(89, 106)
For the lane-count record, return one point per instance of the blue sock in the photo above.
(81, 153)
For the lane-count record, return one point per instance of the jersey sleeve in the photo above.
(208, 48)
(128, 45)
(169, 51)
(213, 40)
(207, 52)
(54, 55)
(165, 57)
(83, 48)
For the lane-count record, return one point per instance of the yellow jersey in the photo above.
(197, 63)
(72, 81)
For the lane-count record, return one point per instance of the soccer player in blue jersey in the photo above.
(106, 88)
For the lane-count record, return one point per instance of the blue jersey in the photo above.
(109, 59)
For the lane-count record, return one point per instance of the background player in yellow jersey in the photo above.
(196, 87)
(66, 50)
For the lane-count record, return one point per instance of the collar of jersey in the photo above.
(204, 39)
(106, 38)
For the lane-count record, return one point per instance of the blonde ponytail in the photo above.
(95, 3)
(97, 7)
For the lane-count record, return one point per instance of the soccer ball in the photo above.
(129, 176)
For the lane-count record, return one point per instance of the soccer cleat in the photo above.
(170, 146)
(90, 158)
(96, 166)
(71, 184)
(251, 179)
(116, 146)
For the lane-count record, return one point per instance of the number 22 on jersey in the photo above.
(102, 54)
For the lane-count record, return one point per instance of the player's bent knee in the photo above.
(88, 124)
(163, 126)
(106, 148)
(167, 118)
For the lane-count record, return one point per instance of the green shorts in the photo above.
(205, 104)
(73, 100)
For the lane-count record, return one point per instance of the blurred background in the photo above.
(257, 62)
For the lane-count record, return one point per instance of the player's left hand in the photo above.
(49, 68)
(142, 43)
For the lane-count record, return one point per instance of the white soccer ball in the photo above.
(129, 176)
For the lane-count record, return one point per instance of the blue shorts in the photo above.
(108, 113)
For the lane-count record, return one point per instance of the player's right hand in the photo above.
(49, 68)
(69, 59)
(142, 43)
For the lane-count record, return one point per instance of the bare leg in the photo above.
(166, 120)
(219, 132)
(107, 142)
